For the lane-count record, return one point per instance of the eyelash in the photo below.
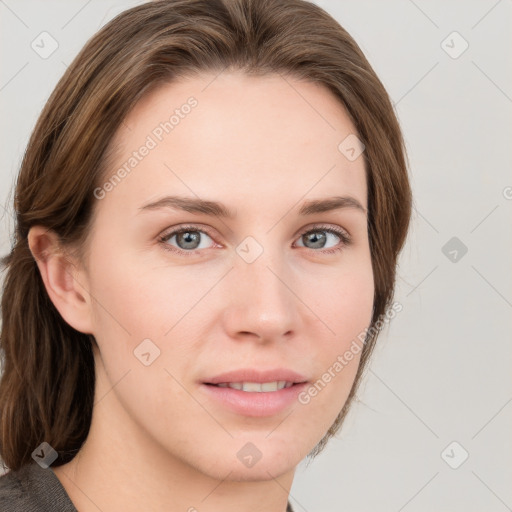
(164, 238)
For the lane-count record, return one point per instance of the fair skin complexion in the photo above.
(262, 148)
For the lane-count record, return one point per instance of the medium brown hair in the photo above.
(47, 385)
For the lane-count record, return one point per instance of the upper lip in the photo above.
(261, 376)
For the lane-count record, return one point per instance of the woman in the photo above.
(209, 215)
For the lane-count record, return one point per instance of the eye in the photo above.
(190, 239)
(319, 235)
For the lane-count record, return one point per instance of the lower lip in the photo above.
(249, 403)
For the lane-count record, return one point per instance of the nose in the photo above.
(261, 302)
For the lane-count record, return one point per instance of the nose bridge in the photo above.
(261, 301)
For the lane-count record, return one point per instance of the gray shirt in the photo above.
(35, 489)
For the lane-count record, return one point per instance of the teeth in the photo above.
(256, 387)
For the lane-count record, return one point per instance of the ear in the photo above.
(65, 281)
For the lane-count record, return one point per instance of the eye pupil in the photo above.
(189, 237)
(317, 239)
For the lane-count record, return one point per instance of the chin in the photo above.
(262, 471)
(256, 461)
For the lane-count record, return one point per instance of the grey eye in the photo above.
(189, 239)
(316, 239)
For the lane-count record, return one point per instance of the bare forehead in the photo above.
(268, 147)
(237, 88)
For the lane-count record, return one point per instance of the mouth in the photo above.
(257, 380)
(255, 391)
(256, 387)
(255, 399)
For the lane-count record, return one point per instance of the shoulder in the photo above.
(33, 489)
(13, 495)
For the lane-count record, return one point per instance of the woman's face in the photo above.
(269, 289)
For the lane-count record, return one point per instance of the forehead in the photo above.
(236, 135)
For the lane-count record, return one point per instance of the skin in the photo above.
(262, 148)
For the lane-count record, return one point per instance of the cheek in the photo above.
(345, 306)
(342, 300)
(139, 298)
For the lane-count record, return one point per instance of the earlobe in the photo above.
(64, 281)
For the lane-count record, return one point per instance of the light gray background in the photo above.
(441, 372)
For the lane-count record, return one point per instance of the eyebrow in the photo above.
(216, 209)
